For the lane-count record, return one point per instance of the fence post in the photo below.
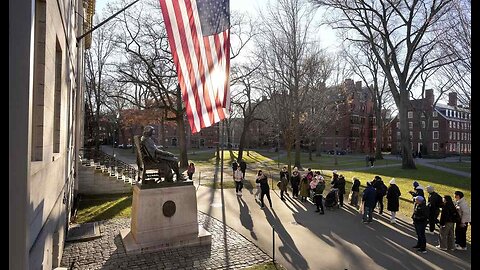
(273, 245)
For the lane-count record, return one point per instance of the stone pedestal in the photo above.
(164, 217)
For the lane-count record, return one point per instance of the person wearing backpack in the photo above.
(434, 204)
(318, 196)
(381, 190)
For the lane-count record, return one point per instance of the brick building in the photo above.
(438, 130)
(354, 128)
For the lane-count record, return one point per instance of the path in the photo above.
(428, 163)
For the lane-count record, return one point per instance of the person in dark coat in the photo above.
(393, 199)
(417, 190)
(262, 179)
(243, 167)
(318, 196)
(368, 200)
(381, 190)
(295, 182)
(355, 192)
(340, 184)
(420, 220)
(434, 204)
(448, 218)
(283, 182)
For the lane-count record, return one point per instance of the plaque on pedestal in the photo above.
(164, 216)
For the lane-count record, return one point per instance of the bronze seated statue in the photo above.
(153, 157)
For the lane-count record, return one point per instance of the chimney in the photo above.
(429, 96)
(452, 99)
(348, 82)
(358, 85)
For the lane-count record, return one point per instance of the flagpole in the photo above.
(221, 149)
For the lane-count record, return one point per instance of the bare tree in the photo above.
(284, 47)
(365, 65)
(247, 99)
(96, 63)
(457, 39)
(400, 35)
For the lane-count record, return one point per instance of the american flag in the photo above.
(199, 36)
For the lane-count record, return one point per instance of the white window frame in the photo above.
(450, 135)
(423, 124)
(450, 124)
(433, 135)
(419, 135)
(410, 125)
(398, 124)
(411, 135)
(435, 146)
(435, 124)
(410, 114)
(434, 113)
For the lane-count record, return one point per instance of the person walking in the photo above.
(258, 190)
(243, 167)
(381, 191)
(461, 227)
(448, 218)
(263, 181)
(355, 192)
(368, 202)
(234, 168)
(420, 218)
(434, 204)
(283, 184)
(393, 200)
(295, 182)
(191, 170)
(238, 177)
(318, 196)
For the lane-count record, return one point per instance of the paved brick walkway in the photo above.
(108, 252)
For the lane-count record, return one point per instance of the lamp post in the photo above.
(335, 161)
(113, 143)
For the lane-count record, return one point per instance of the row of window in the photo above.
(462, 147)
(459, 125)
(435, 124)
(459, 136)
(449, 113)
(435, 135)
(410, 114)
(457, 114)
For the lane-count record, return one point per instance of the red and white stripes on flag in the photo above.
(202, 59)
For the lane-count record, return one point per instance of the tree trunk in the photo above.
(379, 136)
(297, 139)
(241, 146)
(181, 131)
(407, 158)
(229, 137)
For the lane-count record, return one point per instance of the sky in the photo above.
(328, 39)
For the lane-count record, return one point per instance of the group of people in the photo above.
(426, 211)
(454, 218)
(454, 212)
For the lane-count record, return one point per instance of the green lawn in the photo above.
(461, 166)
(104, 206)
(444, 183)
